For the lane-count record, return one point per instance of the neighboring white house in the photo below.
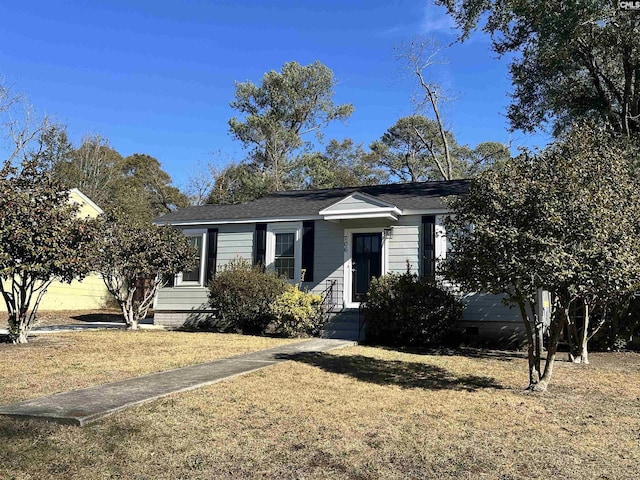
(333, 241)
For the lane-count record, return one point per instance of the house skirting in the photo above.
(492, 333)
(181, 318)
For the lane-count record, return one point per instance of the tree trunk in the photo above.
(532, 347)
(554, 338)
(582, 354)
(20, 338)
(18, 330)
(129, 314)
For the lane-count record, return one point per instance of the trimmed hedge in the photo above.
(406, 310)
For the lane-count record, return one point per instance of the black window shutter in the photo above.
(260, 244)
(308, 243)
(428, 246)
(212, 252)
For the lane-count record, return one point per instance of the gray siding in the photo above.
(235, 241)
(175, 305)
(351, 204)
(485, 307)
(405, 245)
(181, 298)
(328, 258)
(486, 320)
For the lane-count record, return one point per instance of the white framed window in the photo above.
(195, 276)
(284, 249)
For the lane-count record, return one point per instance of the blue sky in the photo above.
(157, 77)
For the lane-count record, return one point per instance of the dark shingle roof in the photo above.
(297, 203)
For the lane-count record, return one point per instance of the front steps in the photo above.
(344, 325)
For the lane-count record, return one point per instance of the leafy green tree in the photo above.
(498, 246)
(485, 155)
(41, 239)
(144, 189)
(571, 60)
(136, 258)
(277, 114)
(566, 220)
(136, 185)
(239, 183)
(50, 146)
(411, 151)
(342, 164)
(595, 189)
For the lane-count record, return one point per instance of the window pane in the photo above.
(285, 266)
(194, 275)
(285, 244)
(284, 261)
(375, 244)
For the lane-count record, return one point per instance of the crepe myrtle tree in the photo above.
(566, 221)
(135, 259)
(42, 239)
(489, 232)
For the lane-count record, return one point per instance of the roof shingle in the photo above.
(298, 203)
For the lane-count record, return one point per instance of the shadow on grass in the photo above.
(394, 372)
(108, 317)
(469, 352)
(99, 317)
(18, 428)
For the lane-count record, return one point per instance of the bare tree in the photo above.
(200, 184)
(18, 122)
(94, 167)
(417, 57)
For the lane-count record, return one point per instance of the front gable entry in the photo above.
(360, 205)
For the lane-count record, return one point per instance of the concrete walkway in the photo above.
(81, 407)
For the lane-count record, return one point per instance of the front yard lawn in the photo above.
(357, 412)
(52, 363)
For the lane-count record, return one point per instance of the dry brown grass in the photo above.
(60, 362)
(360, 413)
(75, 317)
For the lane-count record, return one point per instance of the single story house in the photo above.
(331, 241)
(88, 294)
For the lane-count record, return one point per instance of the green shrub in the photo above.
(243, 294)
(297, 313)
(409, 310)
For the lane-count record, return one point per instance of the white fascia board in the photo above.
(375, 202)
(241, 220)
(431, 211)
(361, 211)
(387, 215)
